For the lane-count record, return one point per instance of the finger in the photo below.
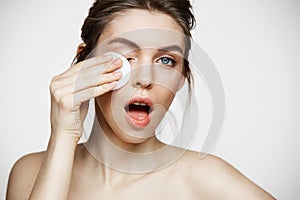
(85, 95)
(90, 80)
(114, 65)
(102, 69)
(87, 82)
(100, 61)
(84, 110)
(93, 73)
(105, 68)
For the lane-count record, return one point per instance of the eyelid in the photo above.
(172, 60)
(167, 56)
(130, 57)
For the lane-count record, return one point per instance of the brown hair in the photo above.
(103, 11)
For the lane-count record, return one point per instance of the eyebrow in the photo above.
(124, 41)
(134, 45)
(172, 48)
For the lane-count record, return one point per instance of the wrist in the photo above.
(64, 139)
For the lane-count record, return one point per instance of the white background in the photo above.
(254, 44)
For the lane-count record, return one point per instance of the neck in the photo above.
(111, 151)
(117, 158)
(105, 146)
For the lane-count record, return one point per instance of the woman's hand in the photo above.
(70, 93)
(72, 90)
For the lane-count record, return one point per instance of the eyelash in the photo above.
(173, 62)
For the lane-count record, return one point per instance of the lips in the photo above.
(138, 111)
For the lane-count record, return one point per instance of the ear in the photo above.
(80, 47)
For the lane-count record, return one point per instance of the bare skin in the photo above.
(68, 171)
(209, 178)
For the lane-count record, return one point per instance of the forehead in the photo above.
(148, 29)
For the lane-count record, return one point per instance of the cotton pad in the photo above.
(125, 70)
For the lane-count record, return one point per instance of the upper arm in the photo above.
(220, 179)
(22, 176)
(235, 185)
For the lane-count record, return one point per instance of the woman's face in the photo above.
(153, 43)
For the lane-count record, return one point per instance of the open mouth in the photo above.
(138, 112)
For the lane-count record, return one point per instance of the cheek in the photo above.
(104, 103)
(164, 96)
(169, 78)
(111, 107)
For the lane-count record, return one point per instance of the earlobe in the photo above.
(80, 47)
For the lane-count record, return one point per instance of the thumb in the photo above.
(84, 110)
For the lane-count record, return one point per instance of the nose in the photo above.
(143, 77)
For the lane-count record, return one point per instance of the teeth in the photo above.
(139, 104)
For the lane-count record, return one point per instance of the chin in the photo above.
(131, 139)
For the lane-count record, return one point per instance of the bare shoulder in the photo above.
(214, 177)
(23, 175)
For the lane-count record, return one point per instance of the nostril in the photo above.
(143, 76)
(138, 84)
(143, 85)
(148, 86)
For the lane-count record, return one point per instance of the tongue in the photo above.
(138, 114)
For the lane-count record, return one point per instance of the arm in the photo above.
(22, 176)
(70, 92)
(235, 185)
(223, 181)
(54, 178)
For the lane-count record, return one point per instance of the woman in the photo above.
(127, 116)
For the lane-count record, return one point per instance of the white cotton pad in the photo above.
(125, 69)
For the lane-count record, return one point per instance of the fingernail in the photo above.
(117, 62)
(117, 74)
(113, 84)
(108, 57)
